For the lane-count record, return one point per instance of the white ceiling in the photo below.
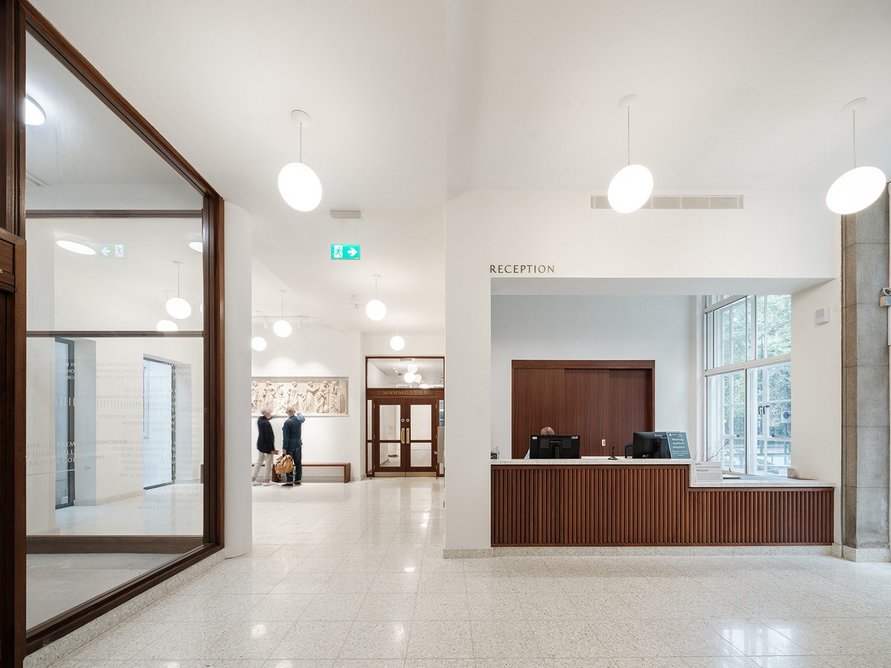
(412, 101)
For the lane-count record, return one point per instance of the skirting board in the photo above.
(52, 653)
(867, 554)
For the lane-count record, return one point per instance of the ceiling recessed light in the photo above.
(75, 247)
(196, 246)
(34, 113)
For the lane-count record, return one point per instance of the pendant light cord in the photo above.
(301, 142)
(854, 134)
(628, 127)
(178, 267)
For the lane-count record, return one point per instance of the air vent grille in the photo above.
(680, 202)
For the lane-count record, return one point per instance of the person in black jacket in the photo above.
(265, 447)
(292, 443)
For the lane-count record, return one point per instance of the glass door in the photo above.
(389, 431)
(64, 354)
(158, 424)
(404, 435)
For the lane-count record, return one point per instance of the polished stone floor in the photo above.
(353, 575)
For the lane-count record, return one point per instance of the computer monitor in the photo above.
(650, 445)
(554, 447)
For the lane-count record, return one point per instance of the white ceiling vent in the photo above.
(680, 202)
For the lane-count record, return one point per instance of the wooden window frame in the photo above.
(18, 18)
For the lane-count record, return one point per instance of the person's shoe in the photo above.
(254, 483)
(288, 484)
(297, 483)
(267, 484)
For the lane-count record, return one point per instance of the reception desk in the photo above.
(650, 502)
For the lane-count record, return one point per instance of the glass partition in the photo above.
(115, 364)
(405, 372)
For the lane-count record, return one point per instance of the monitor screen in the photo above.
(554, 447)
(650, 445)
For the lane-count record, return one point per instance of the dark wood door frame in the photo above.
(405, 403)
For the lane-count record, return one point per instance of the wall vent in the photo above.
(680, 202)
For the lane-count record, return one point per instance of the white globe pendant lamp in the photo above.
(858, 187)
(632, 186)
(259, 344)
(376, 309)
(166, 326)
(298, 184)
(282, 327)
(397, 343)
(178, 307)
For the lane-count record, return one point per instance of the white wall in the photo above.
(317, 351)
(816, 373)
(599, 328)
(709, 248)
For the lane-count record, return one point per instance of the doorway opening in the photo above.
(64, 413)
(158, 422)
(405, 416)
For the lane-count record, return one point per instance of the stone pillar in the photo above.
(865, 409)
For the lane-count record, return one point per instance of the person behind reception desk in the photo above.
(545, 431)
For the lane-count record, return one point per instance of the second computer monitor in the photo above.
(554, 447)
(650, 445)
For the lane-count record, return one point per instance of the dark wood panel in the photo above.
(70, 544)
(536, 401)
(585, 408)
(763, 516)
(648, 505)
(630, 405)
(582, 364)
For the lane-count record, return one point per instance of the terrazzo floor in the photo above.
(353, 575)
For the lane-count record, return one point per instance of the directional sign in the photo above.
(346, 252)
(112, 250)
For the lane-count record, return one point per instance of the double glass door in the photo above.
(404, 435)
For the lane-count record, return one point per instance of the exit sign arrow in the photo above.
(346, 252)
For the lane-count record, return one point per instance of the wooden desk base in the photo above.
(648, 506)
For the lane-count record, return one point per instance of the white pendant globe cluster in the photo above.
(397, 343)
(376, 309)
(282, 328)
(178, 308)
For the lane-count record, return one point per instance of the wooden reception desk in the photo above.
(650, 502)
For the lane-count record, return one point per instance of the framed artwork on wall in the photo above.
(317, 396)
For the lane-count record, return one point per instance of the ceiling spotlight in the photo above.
(166, 326)
(259, 344)
(298, 184)
(632, 186)
(196, 246)
(178, 307)
(397, 343)
(75, 247)
(858, 187)
(34, 113)
(376, 309)
(282, 327)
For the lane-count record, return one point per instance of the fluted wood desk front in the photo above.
(632, 503)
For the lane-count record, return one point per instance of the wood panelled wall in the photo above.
(609, 399)
(648, 505)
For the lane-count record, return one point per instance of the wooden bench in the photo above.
(346, 469)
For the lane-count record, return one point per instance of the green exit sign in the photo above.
(346, 252)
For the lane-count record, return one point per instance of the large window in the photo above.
(748, 378)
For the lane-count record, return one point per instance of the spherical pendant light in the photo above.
(282, 328)
(299, 186)
(178, 308)
(630, 188)
(259, 344)
(859, 187)
(376, 309)
(855, 190)
(166, 326)
(413, 368)
(633, 185)
(397, 343)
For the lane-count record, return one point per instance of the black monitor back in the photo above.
(554, 447)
